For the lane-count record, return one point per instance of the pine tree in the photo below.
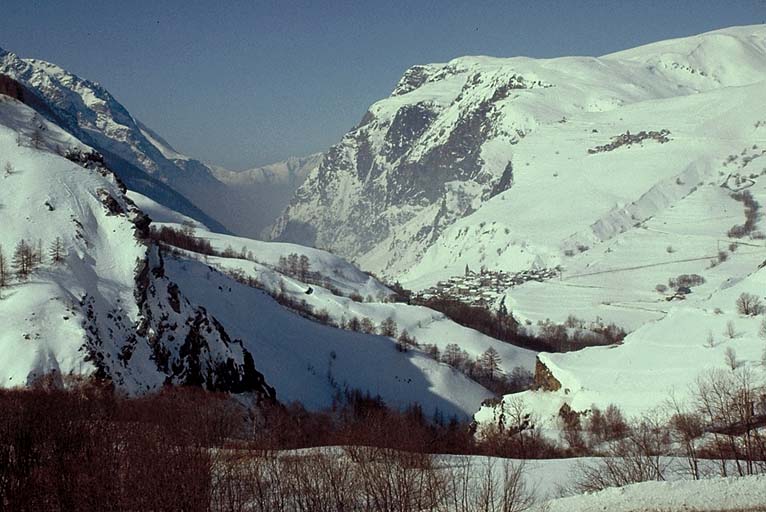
(452, 355)
(404, 341)
(354, 324)
(37, 257)
(3, 269)
(303, 266)
(368, 326)
(23, 259)
(56, 251)
(37, 138)
(490, 362)
(292, 264)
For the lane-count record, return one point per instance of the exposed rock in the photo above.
(544, 379)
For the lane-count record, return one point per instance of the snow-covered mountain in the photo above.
(512, 162)
(240, 202)
(623, 172)
(85, 293)
(87, 110)
(90, 294)
(262, 192)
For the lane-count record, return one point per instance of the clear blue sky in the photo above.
(245, 83)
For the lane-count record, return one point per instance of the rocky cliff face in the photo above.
(101, 304)
(413, 165)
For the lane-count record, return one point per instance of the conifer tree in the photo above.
(56, 251)
(3, 269)
(490, 362)
(23, 260)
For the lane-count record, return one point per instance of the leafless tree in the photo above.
(727, 402)
(731, 358)
(638, 457)
(37, 138)
(749, 304)
(687, 429)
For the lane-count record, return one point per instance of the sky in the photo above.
(246, 83)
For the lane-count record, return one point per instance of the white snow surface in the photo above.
(95, 312)
(42, 329)
(714, 495)
(310, 363)
(426, 325)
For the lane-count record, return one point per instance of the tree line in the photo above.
(90, 447)
(27, 256)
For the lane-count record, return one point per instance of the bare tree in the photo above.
(731, 331)
(639, 457)
(687, 429)
(37, 138)
(7, 169)
(727, 402)
(749, 304)
(389, 328)
(731, 358)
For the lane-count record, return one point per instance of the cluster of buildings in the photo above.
(482, 288)
(627, 138)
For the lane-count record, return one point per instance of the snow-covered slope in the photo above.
(712, 495)
(106, 308)
(622, 172)
(660, 360)
(486, 161)
(314, 363)
(242, 202)
(87, 110)
(116, 307)
(343, 280)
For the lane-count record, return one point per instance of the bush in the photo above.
(686, 280)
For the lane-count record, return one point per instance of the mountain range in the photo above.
(574, 192)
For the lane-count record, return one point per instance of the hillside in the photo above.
(227, 201)
(418, 184)
(72, 304)
(99, 298)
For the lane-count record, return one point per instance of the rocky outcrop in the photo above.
(544, 379)
(415, 160)
(188, 345)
